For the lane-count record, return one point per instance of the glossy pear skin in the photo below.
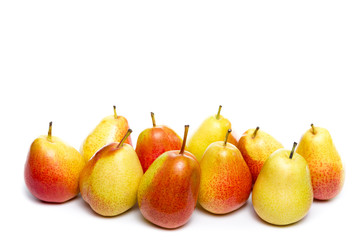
(282, 193)
(256, 150)
(226, 181)
(327, 171)
(52, 170)
(109, 130)
(211, 130)
(153, 142)
(110, 180)
(169, 189)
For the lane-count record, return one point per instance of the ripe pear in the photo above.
(256, 146)
(327, 171)
(282, 193)
(211, 130)
(110, 179)
(152, 142)
(52, 169)
(225, 183)
(111, 129)
(169, 189)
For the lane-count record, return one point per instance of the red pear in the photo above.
(169, 189)
(52, 169)
(152, 142)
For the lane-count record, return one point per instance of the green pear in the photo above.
(211, 130)
(282, 193)
(110, 179)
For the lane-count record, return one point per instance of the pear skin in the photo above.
(152, 142)
(211, 130)
(169, 189)
(52, 169)
(327, 171)
(226, 181)
(282, 193)
(111, 129)
(110, 179)
(256, 146)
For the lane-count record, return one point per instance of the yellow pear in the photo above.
(110, 180)
(327, 171)
(212, 129)
(111, 129)
(282, 193)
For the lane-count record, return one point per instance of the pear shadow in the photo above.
(35, 200)
(236, 211)
(149, 224)
(260, 220)
(91, 212)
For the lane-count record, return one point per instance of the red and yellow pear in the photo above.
(211, 130)
(169, 189)
(52, 169)
(111, 129)
(256, 146)
(152, 142)
(326, 168)
(110, 179)
(226, 181)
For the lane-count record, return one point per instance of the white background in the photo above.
(280, 65)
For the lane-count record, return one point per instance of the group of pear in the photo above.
(168, 177)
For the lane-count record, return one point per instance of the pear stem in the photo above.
(255, 132)
(293, 149)
(184, 139)
(50, 131)
(313, 128)
(153, 119)
(227, 136)
(124, 138)
(218, 113)
(115, 114)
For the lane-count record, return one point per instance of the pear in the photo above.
(256, 146)
(212, 129)
(327, 171)
(152, 142)
(226, 182)
(111, 129)
(282, 193)
(169, 189)
(52, 169)
(110, 179)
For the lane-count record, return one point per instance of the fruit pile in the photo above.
(168, 177)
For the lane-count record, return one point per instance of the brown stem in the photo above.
(115, 114)
(313, 129)
(184, 139)
(227, 136)
(255, 132)
(50, 131)
(292, 151)
(218, 113)
(153, 119)
(124, 138)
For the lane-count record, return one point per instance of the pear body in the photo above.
(110, 179)
(256, 150)
(109, 130)
(52, 170)
(226, 181)
(211, 130)
(169, 189)
(282, 193)
(152, 142)
(327, 171)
